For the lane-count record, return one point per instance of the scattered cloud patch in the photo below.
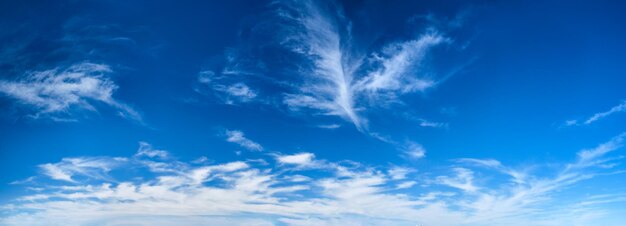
(329, 126)
(619, 108)
(68, 168)
(57, 92)
(426, 123)
(463, 180)
(145, 149)
(237, 137)
(615, 109)
(302, 159)
(414, 150)
(228, 92)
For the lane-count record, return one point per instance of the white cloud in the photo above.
(399, 63)
(426, 123)
(55, 172)
(592, 157)
(94, 167)
(337, 77)
(399, 173)
(329, 126)
(55, 93)
(145, 149)
(406, 184)
(414, 151)
(241, 91)
(236, 136)
(228, 92)
(615, 109)
(244, 193)
(619, 108)
(302, 159)
(463, 180)
(572, 122)
(484, 162)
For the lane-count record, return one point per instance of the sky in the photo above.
(287, 112)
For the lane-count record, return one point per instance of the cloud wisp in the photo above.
(231, 93)
(153, 188)
(328, 73)
(619, 108)
(58, 92)
(339, 80)
(238, 137)
(614, 110)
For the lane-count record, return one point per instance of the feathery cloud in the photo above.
(619, 108)
(414, 150)
(227, 92)
(55, 93)
(615, 109)
(328, 73)
(237, 137)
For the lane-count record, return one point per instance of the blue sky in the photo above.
(312, 113)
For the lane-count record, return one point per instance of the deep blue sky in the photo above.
(531, 85)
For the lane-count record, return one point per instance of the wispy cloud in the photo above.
(463, 180)
(241, 192)
(237, 137)
(338, 77)
(302, 159)
(58, 92)
(426, 123)
(593, 157)
(227, 92)
(615, 109)
(619, 108)
(413, 150)
(329, 126)
(329, 74)
(92, 167)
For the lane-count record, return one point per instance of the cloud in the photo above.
(118, 190)
(592, 157)
(398, 65)
(615, 109)
(329, 126)
(237, 137)
(399, 173)
(426, 123)
(227, 91)
(619, 108)
(325, 72)
(145, 149)
(336, 83)
(56, 93)
(463, 180)
(92, 167)
(302, 159)
(414, 150)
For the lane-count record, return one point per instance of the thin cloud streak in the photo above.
(238, 137)
(597, 116)
(231, 93)
(619, 108)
